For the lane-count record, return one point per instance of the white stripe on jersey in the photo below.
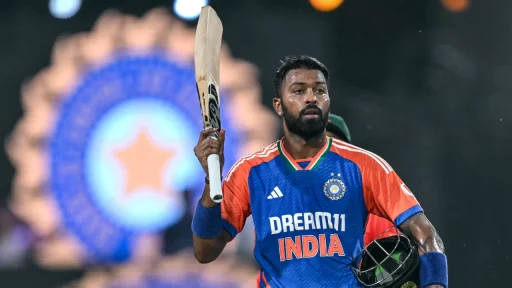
(264, 153)
(373, 156)
(355, 147)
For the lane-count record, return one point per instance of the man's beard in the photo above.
(306, 128)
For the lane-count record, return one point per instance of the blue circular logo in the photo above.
(334, 189)
(122, 151)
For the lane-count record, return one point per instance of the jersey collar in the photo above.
(313, 161)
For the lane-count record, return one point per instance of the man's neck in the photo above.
(300, 148)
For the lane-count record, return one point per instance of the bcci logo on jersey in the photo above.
(119, 150)
(334, 188)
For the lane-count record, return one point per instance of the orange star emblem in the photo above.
(144, 163)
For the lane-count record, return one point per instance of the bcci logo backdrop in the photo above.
(105, 149)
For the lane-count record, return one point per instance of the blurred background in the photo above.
(100, 115)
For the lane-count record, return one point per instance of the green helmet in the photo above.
(338, 126)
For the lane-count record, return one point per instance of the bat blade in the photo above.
(207, 68)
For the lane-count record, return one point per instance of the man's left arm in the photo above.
(433, 262)
(387, 196)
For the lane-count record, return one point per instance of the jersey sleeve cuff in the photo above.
(407, 214)
(230, 228)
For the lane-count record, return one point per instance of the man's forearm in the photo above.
(208, 237)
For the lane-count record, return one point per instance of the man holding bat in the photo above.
(309, 195)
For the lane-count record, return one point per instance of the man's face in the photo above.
(304, 103)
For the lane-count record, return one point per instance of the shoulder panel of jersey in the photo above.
(235, 207)
(361, 157)
(385, 194)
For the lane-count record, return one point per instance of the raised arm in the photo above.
(214, 225)
(206, 223)
(208, 235)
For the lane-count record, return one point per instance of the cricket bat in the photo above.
(207, 66)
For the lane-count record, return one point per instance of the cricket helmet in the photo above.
(391, 262)
(338, 126)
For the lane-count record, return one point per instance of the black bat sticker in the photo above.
(213, 106)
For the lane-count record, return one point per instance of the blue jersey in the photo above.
(310, 214)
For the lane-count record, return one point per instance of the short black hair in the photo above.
(297, 62)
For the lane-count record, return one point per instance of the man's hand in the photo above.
(207, 146)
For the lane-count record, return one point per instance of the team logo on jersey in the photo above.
(108, 135)
(334, 188)
(409, 284)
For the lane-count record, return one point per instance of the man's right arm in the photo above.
(208, 249)
(214, 225)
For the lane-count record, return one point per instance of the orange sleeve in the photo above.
(375, 227)
(385, 194)
(235, 207)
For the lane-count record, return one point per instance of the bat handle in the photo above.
(214, 176)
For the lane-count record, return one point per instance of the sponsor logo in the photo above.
(312, 245)
(276, 193)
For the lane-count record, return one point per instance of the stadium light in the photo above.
(455, 5)
(64, 9)
(189, 9)
(325, 5)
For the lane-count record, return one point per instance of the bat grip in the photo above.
(214, 176)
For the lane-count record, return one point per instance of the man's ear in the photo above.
(277, 105)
